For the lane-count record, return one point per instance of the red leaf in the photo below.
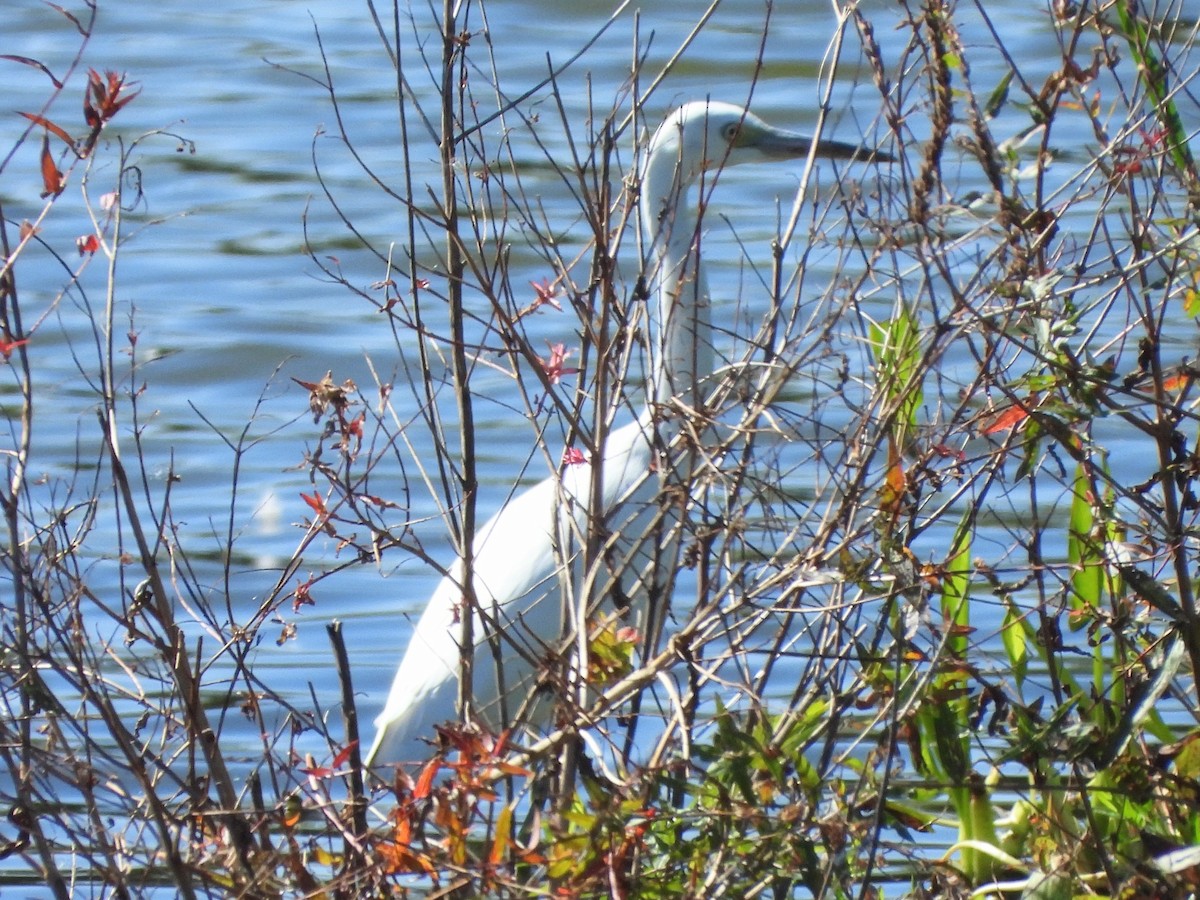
(87, 243)
(26, 61)
(544, 295)
(96, 85)
(945, 452)
(92, 118)
(7, 347)
(74, 21)
(573, 456)
(51, 127)
(106, 90)
(555, 367)
(378, 501)
(303, 592)
(52, 179)
(325, 394)
(1153, 139)
(344, 755)
(1128, 167)
(119, 105)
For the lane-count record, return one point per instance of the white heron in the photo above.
(527, 563)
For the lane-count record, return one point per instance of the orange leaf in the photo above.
(1177, 382)
(292, 812)
(398, 859)
(52, 179)
(1006, 420)
(402, 834)
(508, 768)
(895, 482)
(317, 504)
(531, 857)
(425, 781)
(51, 127)
(896, 479)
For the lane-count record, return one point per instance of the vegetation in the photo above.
(934, 628)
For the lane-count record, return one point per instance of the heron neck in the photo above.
(681, 347)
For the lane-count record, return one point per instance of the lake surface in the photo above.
(228, 307)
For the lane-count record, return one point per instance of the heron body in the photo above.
(528, 575)
(520, 567)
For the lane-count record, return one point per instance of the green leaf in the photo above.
(1015, 640)
(1187, 760)
(956, 589)
(999, 96)
(896, 346)
(1084, 557)
(1191, 302)
(1049, 886)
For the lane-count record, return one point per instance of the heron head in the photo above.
(707, 135)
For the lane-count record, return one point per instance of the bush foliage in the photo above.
(933, 628)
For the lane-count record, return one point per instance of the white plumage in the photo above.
(527, 574)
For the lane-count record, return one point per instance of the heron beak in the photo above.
(777, 144)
